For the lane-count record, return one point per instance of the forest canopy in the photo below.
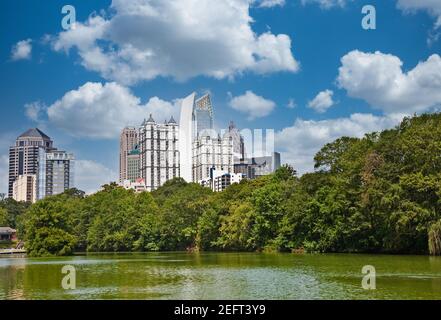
(380, 193)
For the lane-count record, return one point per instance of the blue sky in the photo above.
(305, 68)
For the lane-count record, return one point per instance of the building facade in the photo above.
(211, 154)
(203, 115)
(127, 142)
(159, 152)
(133, 159)
(25, 188)
(56, 173)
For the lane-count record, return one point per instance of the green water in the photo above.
(221, 276)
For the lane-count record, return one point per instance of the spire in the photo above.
(150, 119)
(172, 120)
(143, 123)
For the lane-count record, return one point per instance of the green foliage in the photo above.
(380, 193)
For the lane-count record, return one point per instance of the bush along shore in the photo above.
(378, 194)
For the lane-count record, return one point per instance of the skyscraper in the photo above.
(203, 111)
(56, 173)
(128, 142)
(38, 168)
(25, 155)
(159, 152)
(133, 159)
(238, 142)
(186, 134)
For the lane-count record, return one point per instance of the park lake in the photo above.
(180, 275)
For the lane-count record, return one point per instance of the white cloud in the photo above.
(327, 4)
(300, 142)
(91, 175)
(431, 6)
(322, 102)
(380, 80)
(253, 105)
(178, 38)
(270, 3)
(291, 104)
(33, 110)
(101, 111)
(22, 50)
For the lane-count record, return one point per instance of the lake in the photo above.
(221, 276)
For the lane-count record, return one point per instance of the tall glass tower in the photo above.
(204, 115)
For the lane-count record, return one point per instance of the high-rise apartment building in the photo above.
(42, 170)
(159, 152)
(128, 142)
(56, 173)
(212, 154)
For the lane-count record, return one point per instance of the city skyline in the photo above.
(306, 70)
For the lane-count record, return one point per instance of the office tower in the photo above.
(128, 141)
(133, 159)
(186, 136)
(24, 156)
(25, 188)
(55, 174)
(211, 154)
(159, 152)
(238, 142)
(255, 167)
(203, 111)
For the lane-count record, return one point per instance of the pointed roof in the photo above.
(172, 120)
(150, 119)
(34, 133)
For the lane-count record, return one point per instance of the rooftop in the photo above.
(34, 133)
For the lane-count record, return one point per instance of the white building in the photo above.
(212, 154)
(159, 152)
(25, 188)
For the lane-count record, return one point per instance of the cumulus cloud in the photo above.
(322, 102)
(91, 175)
(22, 50)
(327, 4)
(252, 105)
(100, 111)
(380, 80)
(181, 39)
(301, 141)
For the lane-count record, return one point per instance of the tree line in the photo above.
(377, 194)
